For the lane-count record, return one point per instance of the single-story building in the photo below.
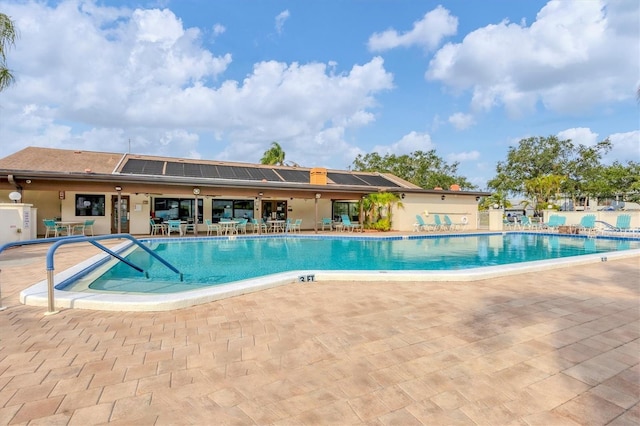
(74, 185)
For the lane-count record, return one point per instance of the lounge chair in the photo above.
(447, 220)
(420, 224)
(439, 225)
(525, 223)
(623, 224)
(350, 226)
(587, 224)
(553, 223)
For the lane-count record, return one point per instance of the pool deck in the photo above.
(541, 348)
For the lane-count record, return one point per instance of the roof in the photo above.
(53, 162)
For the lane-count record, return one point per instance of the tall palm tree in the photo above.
(274, 155)
(7, 39)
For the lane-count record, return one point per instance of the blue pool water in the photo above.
(210, 262)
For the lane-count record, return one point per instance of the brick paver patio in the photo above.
(555, 347)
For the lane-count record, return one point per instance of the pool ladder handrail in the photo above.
(59, 241)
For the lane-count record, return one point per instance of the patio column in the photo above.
(315, 222)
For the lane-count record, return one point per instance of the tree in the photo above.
(536, 162)
(424, 169)
(274, 155)
(7, 39)
(378, 204)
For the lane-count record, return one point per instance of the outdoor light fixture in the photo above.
(260, 194)
(402, 195)
(28, 181)
(118, 188)
(443, 197)
(477, 198)
(15, 196)
(318, 195)
(196, 191)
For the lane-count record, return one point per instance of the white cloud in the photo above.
(413, 141)
(574, 56)
(218, 29)
(626, 147)
(463, 156)
(427, 33)
(114, 74)
(461, 121)
(281, 19)
(579, 135)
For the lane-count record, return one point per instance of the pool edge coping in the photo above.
(37, 294)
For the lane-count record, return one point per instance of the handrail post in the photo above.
(50, 298)
(2, 308)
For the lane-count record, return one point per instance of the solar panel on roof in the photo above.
(174, 169)
(345, 179)
(375, 180)
(267, 174)
(209, 171)
(143, 167)
(242, 172)
(298, 176)
(192, 170)
(226, 172)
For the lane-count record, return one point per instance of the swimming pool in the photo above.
(221, 267)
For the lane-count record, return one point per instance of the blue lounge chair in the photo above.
(587, 224)
(439, 225)
(350, 226)
(525, 223)
(420, 224)
(554, 222)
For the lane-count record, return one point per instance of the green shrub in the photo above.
(382, 225)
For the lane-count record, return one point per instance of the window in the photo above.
(231, 208)
(351, 209)
(89, 205)
(176, 208)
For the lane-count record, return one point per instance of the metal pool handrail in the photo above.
(93, 240)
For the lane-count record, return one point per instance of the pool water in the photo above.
(210, 262)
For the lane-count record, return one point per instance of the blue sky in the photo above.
(326, 79)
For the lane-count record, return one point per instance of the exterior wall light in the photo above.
(196, 191)
(403, 195)
(318, 195)
(15, 196)
(443, 197)
(118, 188)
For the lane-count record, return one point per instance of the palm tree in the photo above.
(274, 155)
(379, 203)
(7, 39)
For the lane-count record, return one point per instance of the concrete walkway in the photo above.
(556, 347)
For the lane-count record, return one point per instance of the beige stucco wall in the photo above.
(456, 206)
